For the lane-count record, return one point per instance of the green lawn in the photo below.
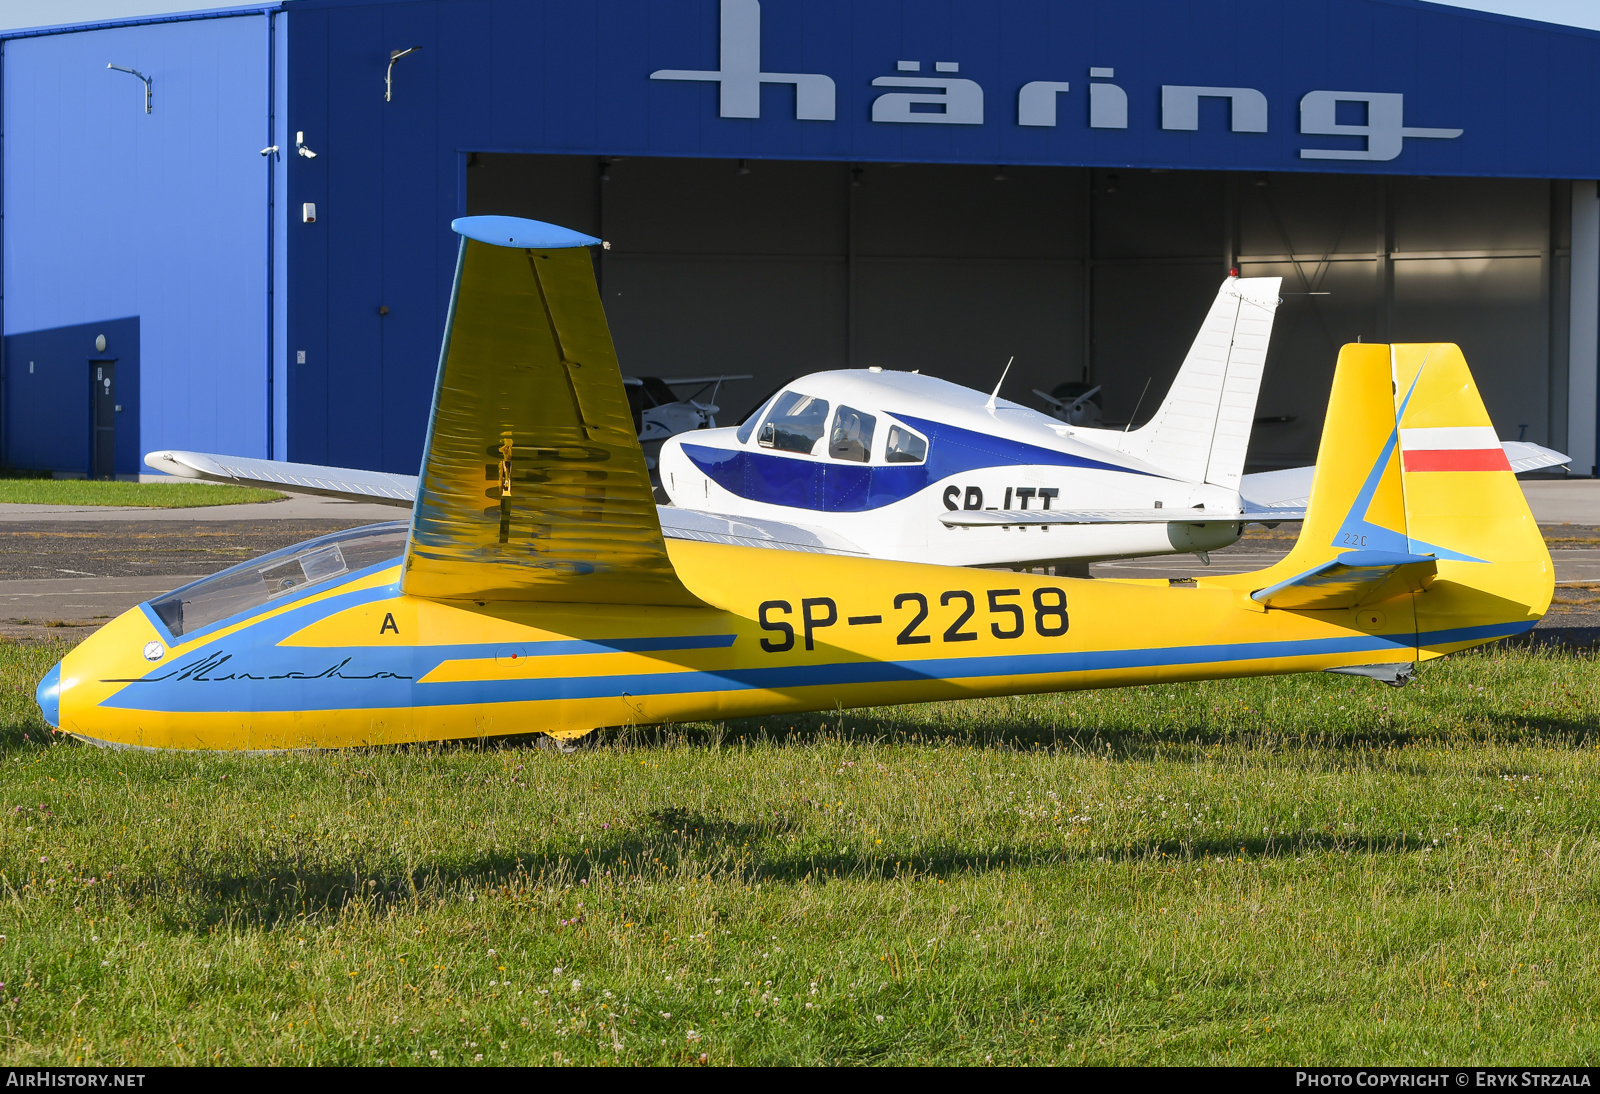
(156, 495)
(1299, 870)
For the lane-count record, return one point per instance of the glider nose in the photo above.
(48, 697)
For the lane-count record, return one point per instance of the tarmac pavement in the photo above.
(292, 507)
(66, 570)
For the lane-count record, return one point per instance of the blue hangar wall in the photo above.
(264, 332)
(144, 227)
(1346, 86)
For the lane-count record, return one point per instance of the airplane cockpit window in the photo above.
(851, 438)
(753, 419)
(796, 423)
(904, 446)
(279, 575)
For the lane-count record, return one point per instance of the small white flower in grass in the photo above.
(433, 1052)
(479, 1056)
(577, 985)
(880, 1017)
(666, 1014)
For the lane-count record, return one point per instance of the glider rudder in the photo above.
(530, 427)
(1414, 506)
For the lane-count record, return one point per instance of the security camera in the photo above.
(300, 146)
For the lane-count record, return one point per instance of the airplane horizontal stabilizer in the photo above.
(1527, 456)
(1292, 486)
(986, 518)
(346, 483)
(1347, 579)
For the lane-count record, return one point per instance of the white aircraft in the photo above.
(658, 412)
(918, 469)
(902, 466)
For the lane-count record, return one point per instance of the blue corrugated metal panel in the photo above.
(509, 75)
(283, 136)
(47, 403)
(113, 211)
(575, 77)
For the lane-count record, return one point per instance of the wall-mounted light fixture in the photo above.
(394, 55)
(141, 76)
(300, 145)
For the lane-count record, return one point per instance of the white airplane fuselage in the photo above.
(975, 456)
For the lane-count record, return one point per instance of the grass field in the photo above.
(155, 495)
(1308, 870)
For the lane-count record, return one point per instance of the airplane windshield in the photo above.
(796, 423)
(904, 446)
(279, 575)
(748, 426)
(851, 438)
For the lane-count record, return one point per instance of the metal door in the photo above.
(103, 446)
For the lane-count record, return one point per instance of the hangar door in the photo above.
(778, 268)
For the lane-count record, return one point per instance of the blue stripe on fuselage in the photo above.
(289, 678)
(833, 486)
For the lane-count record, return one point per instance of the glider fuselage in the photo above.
(354, 661)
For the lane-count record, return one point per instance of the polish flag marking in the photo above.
(1452, 448)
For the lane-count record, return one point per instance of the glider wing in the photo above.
(297, 478)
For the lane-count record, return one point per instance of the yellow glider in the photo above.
(534, 592)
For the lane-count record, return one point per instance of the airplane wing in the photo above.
(533, 485)
(746, 532)
(1347, 579)
(400, 490)
(296, 478)
(978, 518)
(1293, 486)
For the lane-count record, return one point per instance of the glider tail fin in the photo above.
(533, 485)
(1413, 488)
(1202, 428)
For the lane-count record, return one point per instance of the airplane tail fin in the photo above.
(1202, 428)
(1413, 494)
(533, 485)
